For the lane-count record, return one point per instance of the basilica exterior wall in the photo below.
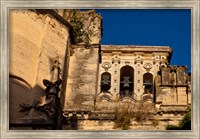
(37, 40)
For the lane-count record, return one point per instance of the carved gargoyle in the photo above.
(46, 104)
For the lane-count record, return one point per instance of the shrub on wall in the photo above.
(126, 113)
(123, 117)
(184, 124)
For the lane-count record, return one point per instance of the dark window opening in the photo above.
(148, 83)
(126, 81)
(105, 81)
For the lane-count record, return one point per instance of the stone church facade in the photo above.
(62, 78)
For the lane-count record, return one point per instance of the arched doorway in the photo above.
(126, 81)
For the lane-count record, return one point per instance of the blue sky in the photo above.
(163, 27)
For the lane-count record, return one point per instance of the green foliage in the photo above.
(172, 127)
(184, 124)
(80, 33)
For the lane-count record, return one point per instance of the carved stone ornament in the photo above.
(147, 66)
(106, 65)
(138, 60)
(116, 59)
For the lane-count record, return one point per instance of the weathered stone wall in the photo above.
(82, 79)
(167, 95)
(25, 35)
(158, 122)
(35, 40)
(173, 86)
(165, 76)
(81, 86)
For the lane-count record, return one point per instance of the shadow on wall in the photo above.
(20, 92)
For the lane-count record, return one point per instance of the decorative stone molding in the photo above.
(127, 99)
(147, 66)
(104, 96)
(127, 62)
(91, 115)
(138, 60)
(106, 65)
(147, 97)
(116, 59)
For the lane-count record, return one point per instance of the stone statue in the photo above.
(46, 105)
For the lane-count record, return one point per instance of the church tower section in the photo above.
(132, 71)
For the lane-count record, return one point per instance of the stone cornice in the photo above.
(164, 50)
(136, 48)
